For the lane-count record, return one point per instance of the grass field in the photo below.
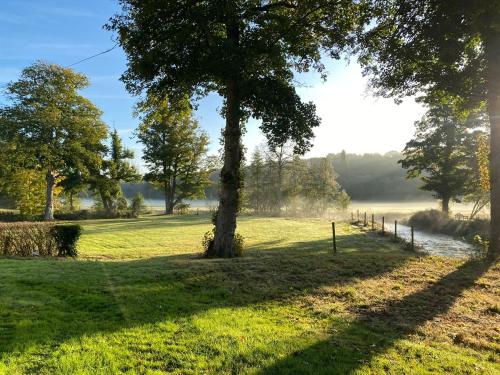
(140, 300)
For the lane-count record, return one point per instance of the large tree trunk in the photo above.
(170, 206)
(493, 66)
(280, 185)
(170, 196)
(445, 205)
(105, 201)
(49, 201)
(167, 200)
(230, 176)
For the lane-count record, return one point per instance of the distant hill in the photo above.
(376, 177)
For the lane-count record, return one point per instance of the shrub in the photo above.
(93, 214)
(208, 244)
(137, 206)
(10, 216)
(27, 239)
(38, 239)
(182, 208)
(430, 220)
(66, 237)
(438, 222)
(75, 215)
(121, 204)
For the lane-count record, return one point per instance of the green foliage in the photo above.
(376, 177)
(254, 189)
(478, 190)
(39, 239)
(66, 237)
(246, 51)
(438, 222)
(285, 183)
(437, 49)
(27, 188)
(182, 208)
(115, 169)
(320, 189)
(482, 252)
(208, 240)
(431, 46)
(174, 150)
(176, 48)
(207, 244)
(442, 153)
(51, 128)
(343, 200)
(27, 239)
(137, 205)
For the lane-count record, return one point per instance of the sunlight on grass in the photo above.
(141, 300)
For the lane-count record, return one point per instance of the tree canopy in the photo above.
(436, 49)
(174, 149)
(247, 52)
(106, 180)
(442, 153)
(51, 127)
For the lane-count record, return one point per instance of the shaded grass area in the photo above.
(288, 306)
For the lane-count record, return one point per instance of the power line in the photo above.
(91, 57)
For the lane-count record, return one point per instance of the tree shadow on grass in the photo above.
(377, 330)
(47, 302)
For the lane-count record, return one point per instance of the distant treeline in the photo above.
(373, 177)
(376, 177)
(365, 177)
(150, 192)
(369, 177)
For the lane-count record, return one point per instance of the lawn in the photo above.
(140, 300)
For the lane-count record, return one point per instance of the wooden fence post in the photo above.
(373, 221)
(334, 238)
(383, 225)
(412, 238)
(365, 222)
(395, 229)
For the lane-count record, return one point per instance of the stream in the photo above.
(435, 244)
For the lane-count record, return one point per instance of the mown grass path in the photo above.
(140, 300)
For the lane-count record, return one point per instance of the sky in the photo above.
(67, 31)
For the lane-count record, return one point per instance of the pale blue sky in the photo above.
(64, 32)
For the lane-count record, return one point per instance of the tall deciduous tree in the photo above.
(278, 156)
(320, 187)
(479, 188)
(247, 52)
(440, 154)
(435, 46)
(51, 124)
(174, 149)
(254, 186)
(114, 170)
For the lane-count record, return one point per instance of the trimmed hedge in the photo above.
(93, 215)
(38, 239)
(11, 217)
(66, 237)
